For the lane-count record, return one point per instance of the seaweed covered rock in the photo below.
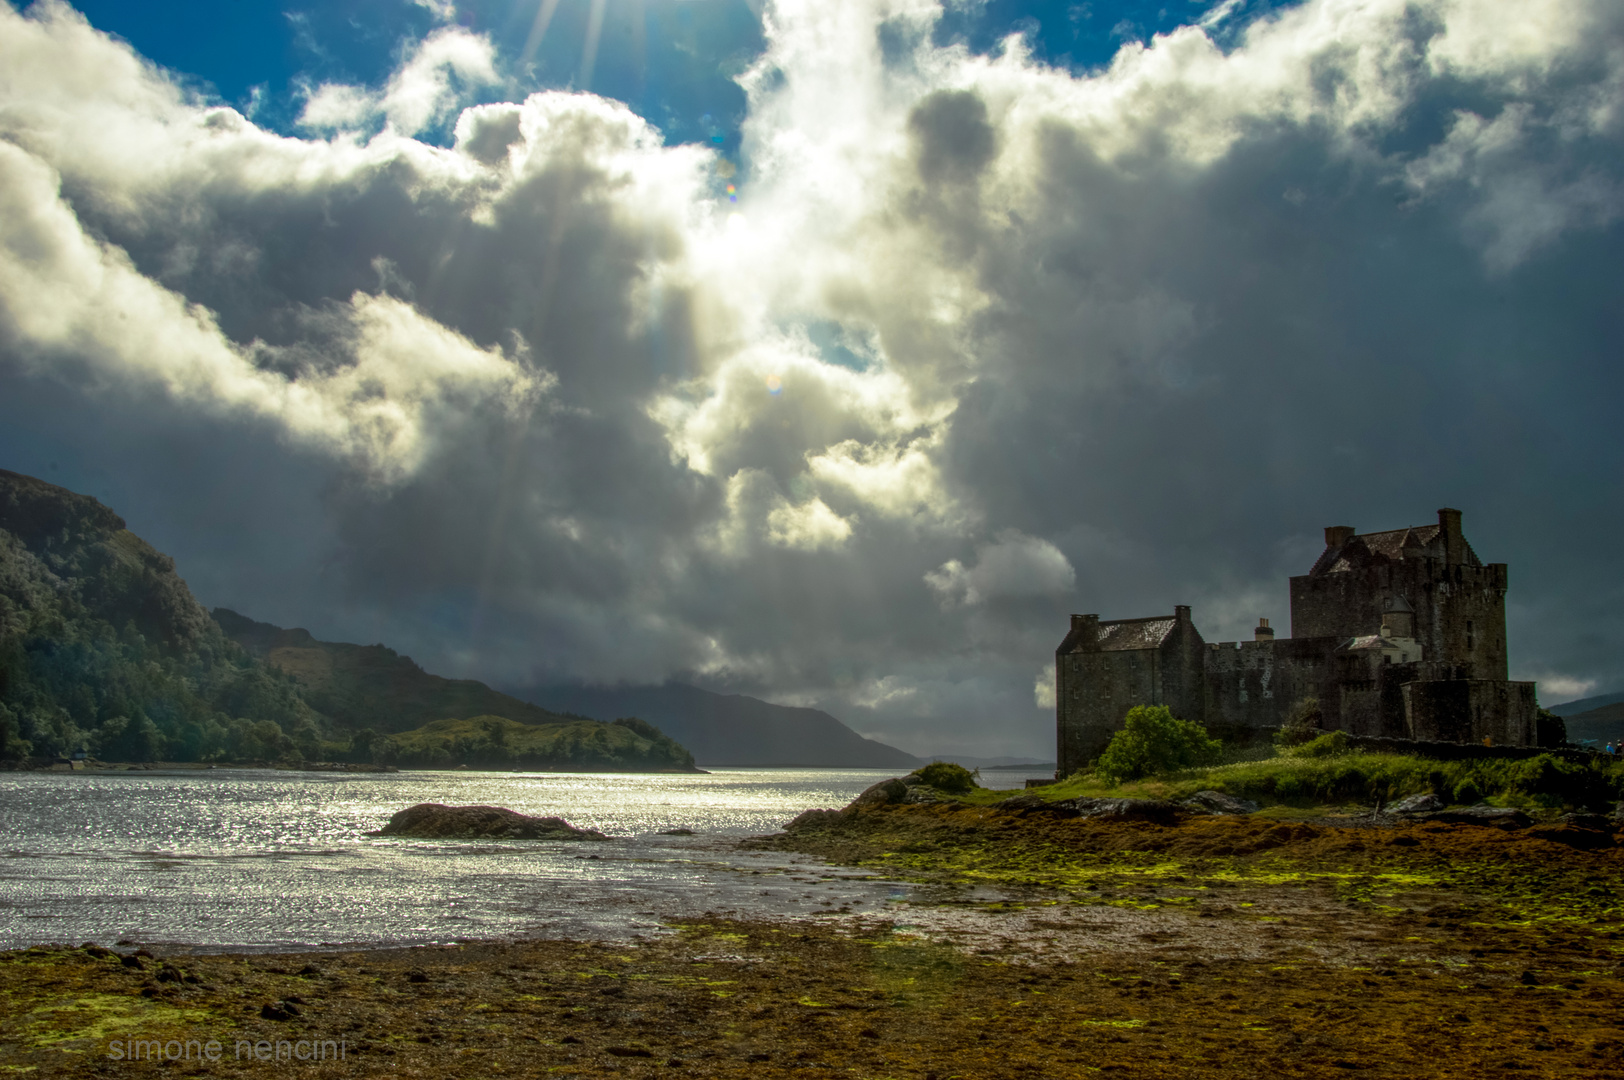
(440, 822)
(1216, 802)
(1157, 810)
(1504, 817)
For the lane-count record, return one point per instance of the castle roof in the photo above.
(1120, 635)
(1090, 634)
(1415, 542)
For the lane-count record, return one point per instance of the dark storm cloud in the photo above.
(981, 343)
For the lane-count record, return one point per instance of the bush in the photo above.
(946, 776)
(1153, 740)
(1302, 724)
(1330, 744)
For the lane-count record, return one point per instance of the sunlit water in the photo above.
(246, 859)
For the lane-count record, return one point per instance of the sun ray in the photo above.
(594, 30)
(538, 29)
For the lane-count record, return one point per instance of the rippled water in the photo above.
(234, 858)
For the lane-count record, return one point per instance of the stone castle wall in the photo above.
(1372, 604)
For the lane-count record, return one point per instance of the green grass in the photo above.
(1297, 779)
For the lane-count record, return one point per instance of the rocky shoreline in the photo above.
(1053, 943)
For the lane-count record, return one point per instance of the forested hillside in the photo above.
(103, 647)
(397, 713)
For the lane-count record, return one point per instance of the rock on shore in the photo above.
(439, 822)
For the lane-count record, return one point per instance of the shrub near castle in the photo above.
(1152, 741)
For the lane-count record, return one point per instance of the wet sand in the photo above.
(1041, 948)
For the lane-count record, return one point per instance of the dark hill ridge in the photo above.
(1605, 724)
(89, 556)
(103, 647)
(1585, 705)
(731, 729)
(435, 722)
(371, 686)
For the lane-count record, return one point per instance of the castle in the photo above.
(1399, 634)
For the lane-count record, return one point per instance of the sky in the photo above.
(827, 352)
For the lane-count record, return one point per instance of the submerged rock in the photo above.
(437, 821)
(1216, 802)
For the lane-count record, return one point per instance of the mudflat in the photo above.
(1044, 947)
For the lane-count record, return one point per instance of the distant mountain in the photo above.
(992, 762)
(1573, 708)
(730, 729)
(374, 690)
(1605, 724)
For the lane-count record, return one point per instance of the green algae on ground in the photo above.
(99, 1017)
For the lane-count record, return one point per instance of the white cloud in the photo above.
(811, 526)
(1013, 566)
(612, 424)
(1043, 688)
(425, 89)
(1555, 689)
(422, 93)
(338, 107)
(442, 10)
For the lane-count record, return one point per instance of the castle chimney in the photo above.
(1263, 632)
(1087, 629)
(1181, 613)
(1337, 535)
(1454, 543)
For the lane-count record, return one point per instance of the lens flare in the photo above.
(775, 385)
(732, 193)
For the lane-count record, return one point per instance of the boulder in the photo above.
(812, 819)
(439, 822)
(1588, 821)
(885, 793)
(1157, 810)
(1417, 804)
(1216, 802)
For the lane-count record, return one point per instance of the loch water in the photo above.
(228, 859)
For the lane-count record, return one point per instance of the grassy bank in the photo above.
(1319, 775)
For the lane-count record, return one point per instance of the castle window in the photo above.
(1471, 638)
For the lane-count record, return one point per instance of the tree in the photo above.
(1153, 740)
